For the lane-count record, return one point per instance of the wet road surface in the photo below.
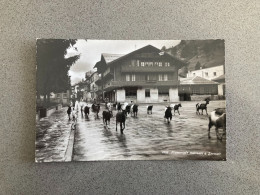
(149, 137)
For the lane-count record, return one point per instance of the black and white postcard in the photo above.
(130, 100)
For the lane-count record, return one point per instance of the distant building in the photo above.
(196, 88)
(74, 88)
(207, 73)
(93, 86)
(61, 98)
(86, 92)
(144, 75)
(222, 84)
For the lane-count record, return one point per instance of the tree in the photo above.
(163, 48)
(52, 66)
(185, 69)
(198, 65)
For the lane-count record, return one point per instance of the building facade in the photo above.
(143, 76)
(86, 93)
(221, 85)
(62, 98)
(93, 86)
(207, 73)
(196, 88)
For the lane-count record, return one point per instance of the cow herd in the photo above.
(217, 117)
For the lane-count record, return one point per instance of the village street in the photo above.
(146, 137)
(149, 137)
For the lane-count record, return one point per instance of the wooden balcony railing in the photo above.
(148, 69)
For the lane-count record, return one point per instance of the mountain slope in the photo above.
(205, 53)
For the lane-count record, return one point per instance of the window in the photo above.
(147, 92)
(130, 77)
(160, 77)
(133, 77)
(195, 90)
(206, 74)
(165, 78)
(133, 62)
(167, 63)
(127, 77)
(156, 63)
(130, 92)
(214, 73)
(64, 95)
(58, 95)
(146, 63)
(150, 64)
(163, 91)
(142, 63)
(137, 63)
(151, 77)
(160, 63)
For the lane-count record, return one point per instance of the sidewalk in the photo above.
(53, 137)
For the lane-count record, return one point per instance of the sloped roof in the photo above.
(111, 57)
(149, 46)
(196, 81)
(222, 77)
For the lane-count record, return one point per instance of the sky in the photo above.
(90, 52)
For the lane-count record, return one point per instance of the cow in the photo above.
(106, 117)
(150, 109)
(127, 109)
(118, 106)
(96, 109)
(134, 110)
(217, 118)
(168, 114)
(175, 107)
(86, 111)
(120, 118)
(202, 107)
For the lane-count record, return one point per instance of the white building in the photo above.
(62, 98)
(93, 86)
(207, 73)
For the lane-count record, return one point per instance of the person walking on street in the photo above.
(69, 111)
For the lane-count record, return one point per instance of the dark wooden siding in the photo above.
(199, 89)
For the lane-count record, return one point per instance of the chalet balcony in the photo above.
(99, 81)
(114, 84)
(108, 75)
(148, 69)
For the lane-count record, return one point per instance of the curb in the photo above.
(69, 150)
